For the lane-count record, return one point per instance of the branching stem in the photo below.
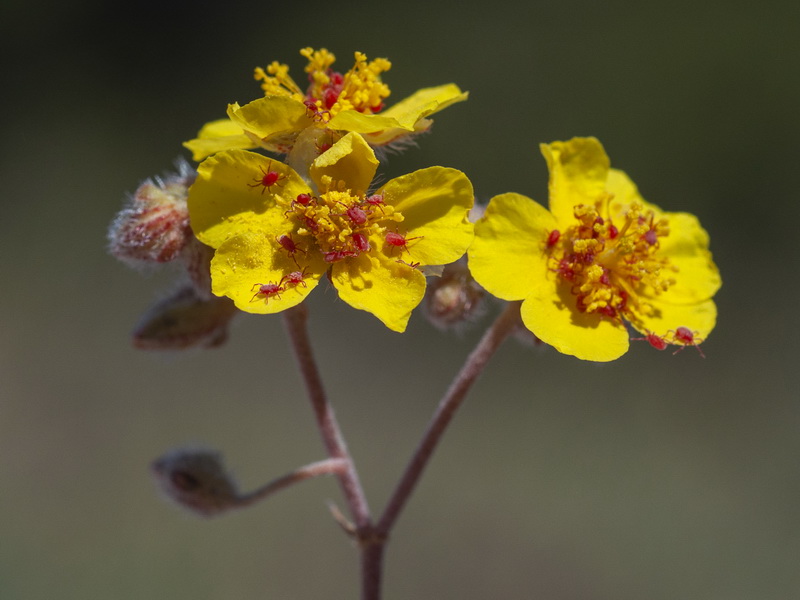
(295, 320)
(372, 538)
(455, 395)
(324, 467)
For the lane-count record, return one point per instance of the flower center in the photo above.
(341, 223)
(330, 92)
(609, 265)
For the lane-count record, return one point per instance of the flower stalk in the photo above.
(329, 466)
(473, 367)
(295, 320)
(372, 538)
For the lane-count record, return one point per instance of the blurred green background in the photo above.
(656, 476)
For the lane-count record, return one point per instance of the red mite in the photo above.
(553, 237)
(288, 244)
(302, 200)
(361, 241)
(687, 338)
(656, 341)
(396, 240)
(268, 290)
(356, 215)
(296, 278)
(376, 200)
(268, 178)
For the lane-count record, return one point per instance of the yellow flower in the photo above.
(309, 122)
(600, 256)
(275, 236)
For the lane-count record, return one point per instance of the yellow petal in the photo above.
(435, 203)
(350, 160)
(352, 120)
(216, 136)
(508, 253)
(402, 116)
(625, 193)
(227, 197)
(699, 318)
(697, 277)
(270, 117)
(425, 102)
(380, 285)
(550, 313)
(243, 263)
(396, 134)
(578, 174)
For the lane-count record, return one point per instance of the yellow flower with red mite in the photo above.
(275, 235)
(599, 257)
(307, 122)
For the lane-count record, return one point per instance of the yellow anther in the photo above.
(583, 246)
(318, 60)
(580, 209)
(277, 82)
(594, 273)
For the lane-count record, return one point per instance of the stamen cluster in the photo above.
(340, 221)
(330, 92)
(608, 266)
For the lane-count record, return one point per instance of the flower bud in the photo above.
(454, 298)
(196, 480)
(185, 320)
(154, 226)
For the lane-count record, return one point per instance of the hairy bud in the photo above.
(455, 298)
(154, 226)
(184, 320)
(196, 480)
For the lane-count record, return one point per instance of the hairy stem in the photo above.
(295, 320)
(323, 467)
(469, 373)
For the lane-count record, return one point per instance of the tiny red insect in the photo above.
(267, 290)
(301, 200)
(361, 241)
(329, 97)
(397, 240)
(655, 340)
(296, 278)
(553, 237)
(375, 200)
(686, 337)
(267, 179)
(288, 244)
(356, 215)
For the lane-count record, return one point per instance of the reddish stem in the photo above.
(295, 320)
(324, 467)
(372, 539)
(469, 373)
